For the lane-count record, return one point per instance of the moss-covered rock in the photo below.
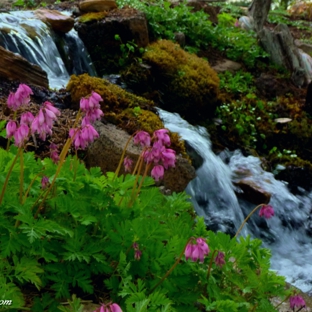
(120, 106)
(186, 83)
(297, 172)
(115, 98)
(98, 32)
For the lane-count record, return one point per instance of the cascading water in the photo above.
(213, 197)
(22, 33)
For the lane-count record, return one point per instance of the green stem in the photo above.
(147, 166)
(135, 183)
(282, 301)
(21, 178)
(9, 173)
(210, 264)
(173, 267)
(30, 185)
(76, 162)
(59, 167)
(246, 219)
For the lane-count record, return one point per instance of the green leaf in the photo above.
(27, 270)
(9, 291)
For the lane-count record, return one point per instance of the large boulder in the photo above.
(106, 151)
(15, 67)
(57, 21)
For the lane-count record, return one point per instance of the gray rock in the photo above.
(105, 152)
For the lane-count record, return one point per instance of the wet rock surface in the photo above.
(15, 67)
(58, 21)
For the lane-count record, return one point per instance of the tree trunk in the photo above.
(259, 10)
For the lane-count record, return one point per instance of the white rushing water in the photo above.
(22, 33)
(214, 198)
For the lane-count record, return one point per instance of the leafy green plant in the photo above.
(24, 3)
(240, 82)
(79, 231)
(243, 119)
(127, 49)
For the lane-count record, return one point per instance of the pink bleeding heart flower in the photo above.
(11, 129)
(266, 211)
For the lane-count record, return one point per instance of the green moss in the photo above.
(118, 106)
(115, 98)
(90, 17)
(187, 84)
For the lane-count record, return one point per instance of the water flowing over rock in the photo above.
(212, 191)
(57, 20)
(287, 234)
(86, 6)
(58, 55)
(252, 192)
(15, 67)
(106, 151)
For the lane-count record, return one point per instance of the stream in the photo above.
(214, 198)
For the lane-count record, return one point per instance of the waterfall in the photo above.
(287, 234)
(59, 55)
(212, 191)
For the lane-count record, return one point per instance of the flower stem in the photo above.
(246, 219)
(173, 267)
(30, 185)
(135, 183)
(147, 166)
(210, 264)
(9, 173)
(123, 154)
(21, 178)
(58, 169)
(76, 163)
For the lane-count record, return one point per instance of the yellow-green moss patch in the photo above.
(93, 16)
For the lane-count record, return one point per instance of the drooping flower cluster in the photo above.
(110, 307)
(19, 98)
(266, 211)
(296, 302)
(157, 154)
(197, 251)
(85, 134)
(41, 124)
